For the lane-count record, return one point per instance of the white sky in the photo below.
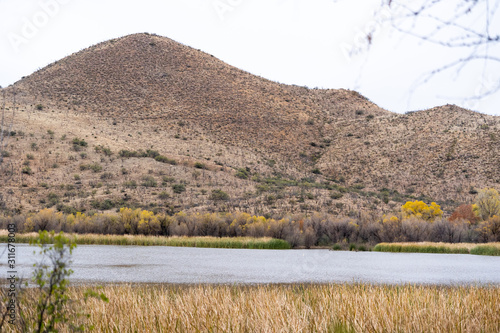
(289, 41)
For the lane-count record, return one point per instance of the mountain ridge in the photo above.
(145, 91)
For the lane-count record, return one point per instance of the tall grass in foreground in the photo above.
(291, 308)
(492, 249)
(204, 242)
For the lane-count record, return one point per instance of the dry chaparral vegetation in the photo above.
(145, 122)
(289, 308)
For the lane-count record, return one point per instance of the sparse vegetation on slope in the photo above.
(274, 149)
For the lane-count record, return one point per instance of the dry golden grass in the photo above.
(448, 245)
(433, 247)
(293, 308)
(204, 242)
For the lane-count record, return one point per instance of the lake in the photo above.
(156, 264)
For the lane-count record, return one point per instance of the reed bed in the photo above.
(204, 242)
(492, 249)
(291, 308)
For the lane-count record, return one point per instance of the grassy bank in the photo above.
(204, 242)
(291, 308)
(491, 249)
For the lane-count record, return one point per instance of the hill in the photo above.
(145, 121)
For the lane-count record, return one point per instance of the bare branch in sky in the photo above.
(471, 27)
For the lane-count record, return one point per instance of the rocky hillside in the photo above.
(145, 121)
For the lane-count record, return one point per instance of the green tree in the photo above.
(54, 308)
(52, 280)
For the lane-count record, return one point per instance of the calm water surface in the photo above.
(155, 264)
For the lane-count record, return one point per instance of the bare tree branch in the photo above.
(469, 26)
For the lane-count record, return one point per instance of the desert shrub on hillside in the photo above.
(487, 204)
(127, 153)
(199, 165)
(78, 144)
(178, 188)
(219, 195)
(27, 170)
(105, 150)
(149, 181)
(421, 210)
(95, 167)
(130, 184)
(164, 159)
(243, 173)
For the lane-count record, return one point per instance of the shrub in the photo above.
(39, 107)
(95, 167)
(336, 195)
(105, 150)
(199, 165)
(149, 181)
(27, 170)
(316, 171)
(53, 199)
(127, 153)
(79, 142)
(219, 195)
(102, 205)
(178, 188)
(163, 195)
(167, 179)
(130, 184)
(164, 159)
(107, 175)
(242, 173)
(336, 247)
(152, 153)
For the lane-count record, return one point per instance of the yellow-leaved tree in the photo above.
(421, 210)
(487, 204)
(148, 223)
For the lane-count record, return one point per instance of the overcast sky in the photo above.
(302, 42)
